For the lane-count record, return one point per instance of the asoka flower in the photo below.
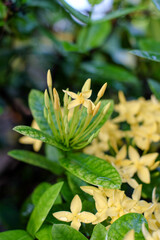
(129, 235)
(27, 140)
(140, 165)
(75, 216)
(79, 99)
(154, 236)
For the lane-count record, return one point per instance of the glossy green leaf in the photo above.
(156, 3)
(74, 12)
(45, 232)
(36, 160)
(153, 56)
(36, 104)
(62, 231)
(110, 72)
(43, 207)
(119, 13)
(155, 88)
(39, 191)
(93, 36)
(94, 2)
(15, 235)
(124, 224)
(99, 232)
(39, 135)
(53, 154)
(92, 170)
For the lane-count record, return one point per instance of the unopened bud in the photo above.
(89, 108)
(106, 108)
(65, 99)
(56, 99)
(49, 79)
(46, 99)
(102, 91)
(96, 108)
(87, 85)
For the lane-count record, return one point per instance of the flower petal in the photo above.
(63, 216)
(76, 205)
(86, 217)
(87, 94)
(100, 201)
(148, 159)
(137, 193)
(129, 235)
(122, 153)
(71, 94)
(133, 154)
(144, 174)
(74, 103)
(76, 224)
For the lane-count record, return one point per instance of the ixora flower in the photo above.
(28, 140)
(77, 129)
(148, 236)
(74, 124)
(75, 216)
(140, 165)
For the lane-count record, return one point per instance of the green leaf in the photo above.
(53, 154)
(93, 36)
(62, 231)
(36, 104)
(45, 232)
(42, 209)
(15, 235)
(156, 3)
(91, 169)
(119, 13)
(109, 72)
(3, 11)
(155, 88)
(39, 135)
(153, 56)
(36, 160)
(94, 2)
(74, 12)
(39, 191)
(124, 224)
(149, 45)
(99, 232)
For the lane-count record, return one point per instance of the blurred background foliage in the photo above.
(92, 43)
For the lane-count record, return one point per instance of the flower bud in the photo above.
(49, 79)
(46, 99)
(96, 108)
(102, 91)
(106, 108)
(56, 99)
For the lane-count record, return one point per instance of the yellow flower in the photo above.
(110, 133)
(129, 235)
(75, 216)
(144, 135)
(79, 99)
(96, 148)
(127, 109)
(154, 236)
(27, 140)
(140, 165)
(119, 158)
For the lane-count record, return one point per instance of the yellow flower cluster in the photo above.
(142, 117)
(112, 203)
